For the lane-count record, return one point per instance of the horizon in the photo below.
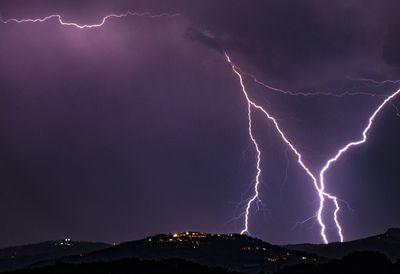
(173, 234)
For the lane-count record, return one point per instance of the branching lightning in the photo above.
(251, 104)
(76, 25)
(318, 184)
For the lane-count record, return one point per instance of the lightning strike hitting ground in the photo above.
(103, 21)
(319, 185)
(283, 136)
(347, 147)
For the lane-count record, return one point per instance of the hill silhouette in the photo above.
(387, 243)
(26, 255)
(233, 251)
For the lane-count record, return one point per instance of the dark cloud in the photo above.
(203, 37)
(391, 46)
(296, 39)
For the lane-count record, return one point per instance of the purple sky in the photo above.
(140, 127)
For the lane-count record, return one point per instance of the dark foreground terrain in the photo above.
(355, 263)
(170, 266)
(359, 262)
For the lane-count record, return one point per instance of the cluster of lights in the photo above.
(65, 242)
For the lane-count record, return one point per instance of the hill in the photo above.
(387, 243)
(232, 251)
(23, 256)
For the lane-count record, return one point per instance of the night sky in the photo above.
(140, 127)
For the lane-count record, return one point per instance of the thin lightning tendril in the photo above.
(330, 94)
(375, 82)
(314, 93)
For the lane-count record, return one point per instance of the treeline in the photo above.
(356, 263)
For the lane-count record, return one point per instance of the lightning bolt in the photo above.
(251, 105)
(319, 185)
(60, 20)
(357, 142)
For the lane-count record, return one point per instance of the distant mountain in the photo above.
(387, 243)
(231, 251)
(22, 256)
